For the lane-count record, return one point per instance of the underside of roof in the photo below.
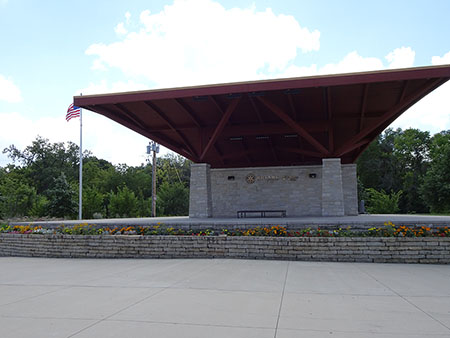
(279, 122)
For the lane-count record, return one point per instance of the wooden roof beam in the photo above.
(294, 125)
(189, 112)
(363, 106)
(141, 128)
(230, 109)
(172, 126)
(389, 115)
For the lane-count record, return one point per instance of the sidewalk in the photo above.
(221, 298)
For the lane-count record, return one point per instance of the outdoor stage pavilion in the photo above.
(287, 146)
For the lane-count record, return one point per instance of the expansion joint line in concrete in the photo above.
(405, 299)
(281, 300)
(139, 301)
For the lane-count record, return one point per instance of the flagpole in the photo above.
(80, 197)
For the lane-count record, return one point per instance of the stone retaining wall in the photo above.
(342, 249)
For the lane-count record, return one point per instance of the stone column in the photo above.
(200, 202)
(332, 191)
(350, 185)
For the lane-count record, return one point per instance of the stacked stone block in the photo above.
(335, 249)
(350, 189)
(327, 190)
(332, 188)
(200, 204)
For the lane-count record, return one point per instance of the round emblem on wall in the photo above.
(250, 178)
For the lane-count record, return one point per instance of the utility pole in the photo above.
(153, 147)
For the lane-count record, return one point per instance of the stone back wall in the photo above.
(272, 188)
(276, 188)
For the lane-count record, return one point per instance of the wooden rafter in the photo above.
(141, 128)
(292, 106)
(256, 110)
(189, 112)
(294, 125)
(172, 126)
(388, 116)
(363, 106)
(270, 128)
(265, 129)
(329, 115)
(230, 109)
(216, 104)
(299, 151)
(403, 92)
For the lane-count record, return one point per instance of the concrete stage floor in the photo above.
(356, 222)
(61, 298)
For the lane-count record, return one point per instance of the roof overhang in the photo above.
(271, 122)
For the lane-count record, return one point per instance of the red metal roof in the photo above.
(272, 122)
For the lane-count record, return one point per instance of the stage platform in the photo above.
(184, 222)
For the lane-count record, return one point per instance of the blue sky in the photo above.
(52, 50)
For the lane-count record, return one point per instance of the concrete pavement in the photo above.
(221, 298)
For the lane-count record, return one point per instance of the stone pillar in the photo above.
(200, 202)
(350, 185)
(332, 190)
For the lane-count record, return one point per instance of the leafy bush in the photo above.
(379, 202)
(123, 203)
(92, 202)
(173, 199)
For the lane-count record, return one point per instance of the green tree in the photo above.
(173, 199)
(16, 197)
(436, 185)
(412, 148)
(61, 198)
(378, 167)
(123, 203)
(44, 161)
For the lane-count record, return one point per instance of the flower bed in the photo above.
(389, 230)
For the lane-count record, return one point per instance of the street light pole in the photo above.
(154, 185)
(153, 147)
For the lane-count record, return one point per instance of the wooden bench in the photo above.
(261, 213)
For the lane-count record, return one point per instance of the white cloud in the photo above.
(105, 138)
(116, 87)
(199, 41)
(127, 17)
(438, 60)
(401, 58)
(21, 131)
(9, 92)
(120, 29)
(432, 113)
(352, 62)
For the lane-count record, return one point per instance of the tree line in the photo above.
(402, 171)
(42, 181)
(406, 171)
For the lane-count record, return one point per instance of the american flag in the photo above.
(72, 112)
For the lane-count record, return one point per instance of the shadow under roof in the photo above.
(280, 122)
